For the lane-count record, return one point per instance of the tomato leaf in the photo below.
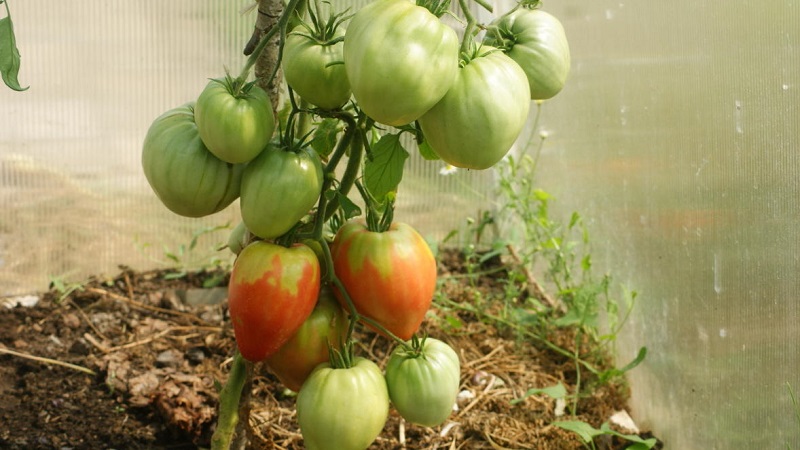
(9, 55)
(427, 152)
(324, 139)
(384, 171)
(349, 208)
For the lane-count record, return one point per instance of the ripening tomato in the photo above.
(481, 116)
(400, 60)
(308, 347)
(537, 42)
(343, 409)
(235, 124)
(423, 383)
(185, 176)
(272, 291)
(390, 275)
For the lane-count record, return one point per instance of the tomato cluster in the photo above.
(309, 267)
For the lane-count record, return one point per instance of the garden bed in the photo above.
(155, 350)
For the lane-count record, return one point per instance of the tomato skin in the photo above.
(279, 187)
(400, 60)
(481, 116)
(185, 176)
(234, 129)
(308, 347)
(343, 409)
(423, 388)
(390, 276)
(305, 68)
(272, 291)
(540, 47)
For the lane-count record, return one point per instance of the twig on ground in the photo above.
(48, 361)
(535, 289)
(141, 305)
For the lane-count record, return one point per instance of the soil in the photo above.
(155, 361)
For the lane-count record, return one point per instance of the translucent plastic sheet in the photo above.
(73, 199)
(677, 133)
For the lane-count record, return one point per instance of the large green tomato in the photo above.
(481, 116)
(308, 348)
(234, 128)
(423, 384)
(400, 60)
(537, 42)
(279, 187)
(390, 275)
(185, 176)
(306, 68)
(343, 409)
(272, 291)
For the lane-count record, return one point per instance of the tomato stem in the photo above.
(229, 404)
(468, 42)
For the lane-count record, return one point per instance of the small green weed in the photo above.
(64, 288)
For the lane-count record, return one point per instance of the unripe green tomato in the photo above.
(279, 188)
(539, 46)
(315, 71)
(343, 409)
(237, 239)
(185, 176)
(423, 386)
(234, 128)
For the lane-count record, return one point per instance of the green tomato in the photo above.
(234, 128)
(343, 409)
(279, 187)
(400, 60)
(237, 240)
(185, 176)
(308, 347)
(423, 385)
(306, 68)
(537, 42)
(481, 116)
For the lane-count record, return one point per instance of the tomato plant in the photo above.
(308, 347)
(400, 60)
(279, 187)
(313, 63)
(423, 381)
(185, 176)
(343, 408)
(271, 293)
(537, 42)
(390, 276)
(235, 120)
(481, 116)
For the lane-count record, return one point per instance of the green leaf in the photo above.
(349, 208)
(582, 429)
(427, 152)
(383, 173)
(639, 442)
(9, 54)
(324, 140)
(556, 391)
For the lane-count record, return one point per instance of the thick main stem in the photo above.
(229, 405)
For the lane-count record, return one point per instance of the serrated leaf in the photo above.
(383, 173)
(427, 152)
(9, 54)
(324, 140)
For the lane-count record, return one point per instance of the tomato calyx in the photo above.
(323, 33)
(437, 7)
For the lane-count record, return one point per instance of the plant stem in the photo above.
(468, 41)
(279, 27)
(229, 404)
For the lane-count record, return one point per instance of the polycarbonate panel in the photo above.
(73, 199)
(677, 134)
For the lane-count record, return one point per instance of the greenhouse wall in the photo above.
(676, 139)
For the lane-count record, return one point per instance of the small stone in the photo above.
(71, 320)
(195, 355)
(169, 358)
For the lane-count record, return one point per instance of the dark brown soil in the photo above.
(155, 360)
